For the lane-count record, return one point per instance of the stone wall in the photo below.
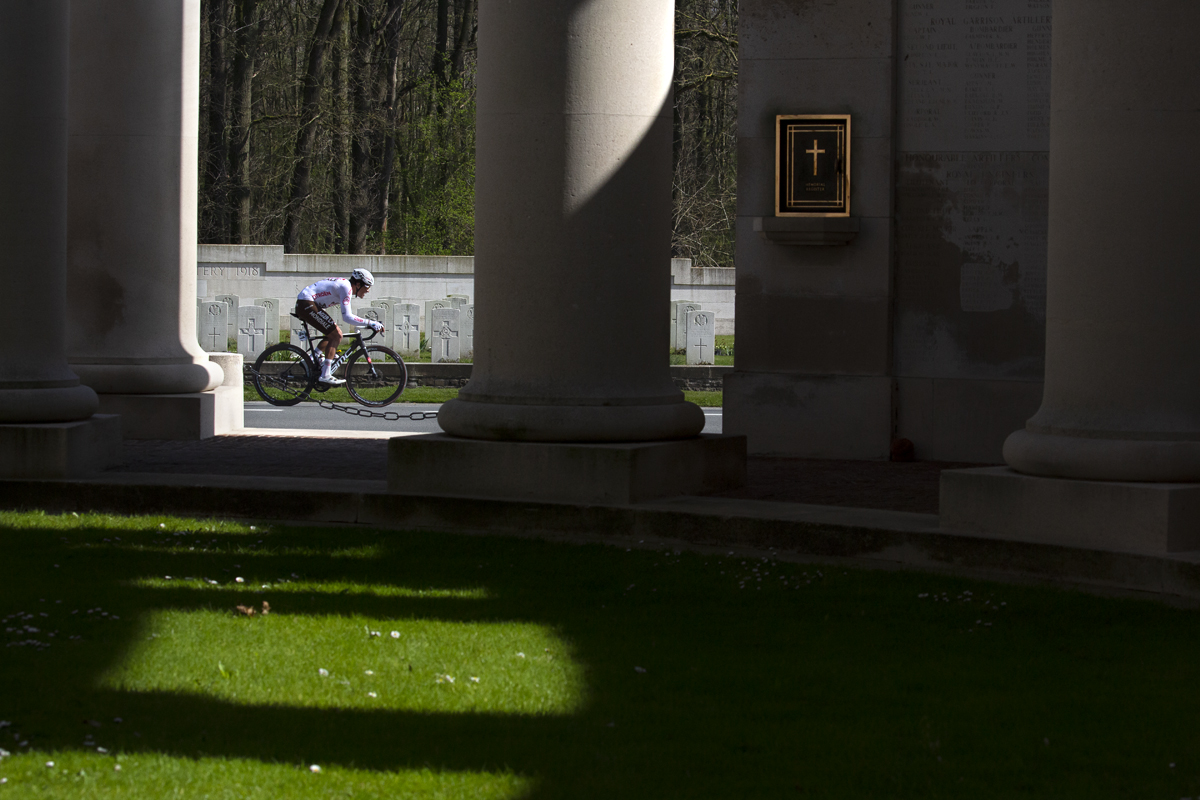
(929, 324)
(250, 271)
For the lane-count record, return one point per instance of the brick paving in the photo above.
(911, 486)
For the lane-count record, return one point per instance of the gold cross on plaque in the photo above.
(815, 152)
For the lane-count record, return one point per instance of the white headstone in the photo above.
(233, 301)
(679, 312)
(273, 320)
(212, 326)
(443, 335)
(252, 331)
(297, 328)
(383, 315)
(430, 307)
(466, 298)
(466, 336)
(701, 337)
(406, 319)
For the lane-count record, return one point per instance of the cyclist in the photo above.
(312, 302)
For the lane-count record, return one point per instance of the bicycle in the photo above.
(285, 374)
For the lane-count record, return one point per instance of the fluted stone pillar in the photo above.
(36, 385)
(570, 397)
(47, 428)
(132, 208)
(573, 226)
(1122, 392)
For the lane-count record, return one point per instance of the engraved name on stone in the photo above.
(974, 74)
(229, 270)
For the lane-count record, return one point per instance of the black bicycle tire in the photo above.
(386, 352)
(310, 377)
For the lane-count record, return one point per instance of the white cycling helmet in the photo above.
(363, 276)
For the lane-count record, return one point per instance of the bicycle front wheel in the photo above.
(376, 376)
(284, 375)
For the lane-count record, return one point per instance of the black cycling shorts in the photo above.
(316, 316)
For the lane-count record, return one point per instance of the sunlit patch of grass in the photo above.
(352, 662)
(134, 776)
(705, 399)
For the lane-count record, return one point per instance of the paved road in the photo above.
(312, 417)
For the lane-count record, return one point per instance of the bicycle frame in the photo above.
(345, 356)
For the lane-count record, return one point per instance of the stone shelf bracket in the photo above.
(810, 231)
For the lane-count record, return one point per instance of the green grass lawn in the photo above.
(409, 664)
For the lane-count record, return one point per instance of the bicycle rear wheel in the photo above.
(284, 375)
(376, 376)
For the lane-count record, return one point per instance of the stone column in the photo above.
(36, 385)
(572, 226)
(1122, 392)
(132, 209)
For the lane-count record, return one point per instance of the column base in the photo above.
(437, 464)
(1089, 458)
(59, 449)
(184, 417)
(1100, 515)
(473, 419)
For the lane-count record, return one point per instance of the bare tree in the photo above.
(306, 135)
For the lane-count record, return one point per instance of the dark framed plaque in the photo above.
(812, 165)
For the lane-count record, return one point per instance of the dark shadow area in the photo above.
(891, 485)
(285, 457)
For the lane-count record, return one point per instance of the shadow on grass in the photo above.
(823, 682)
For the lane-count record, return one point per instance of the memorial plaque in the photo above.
(812, 165)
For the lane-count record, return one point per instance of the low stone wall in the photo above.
(700, 379)
(692, 379)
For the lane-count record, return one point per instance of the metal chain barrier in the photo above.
(390, 416)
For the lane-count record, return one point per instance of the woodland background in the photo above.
(348, 126)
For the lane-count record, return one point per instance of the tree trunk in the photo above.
(360, 150)
(341, 128)
(310, 105)
(442, 37)
(466, 30)
(216, 150)
(249, 27)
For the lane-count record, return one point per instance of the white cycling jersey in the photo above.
(331, 292)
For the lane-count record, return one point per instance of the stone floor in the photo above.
(909, 486)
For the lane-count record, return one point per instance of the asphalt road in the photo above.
(310, 416)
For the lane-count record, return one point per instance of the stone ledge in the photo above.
(188, 417)
(813, 231)
(620, 473)
(59, 449)
(1132, 517)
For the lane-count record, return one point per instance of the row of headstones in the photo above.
(256, 327)
(694, 331)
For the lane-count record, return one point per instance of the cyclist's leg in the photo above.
(331, 335)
